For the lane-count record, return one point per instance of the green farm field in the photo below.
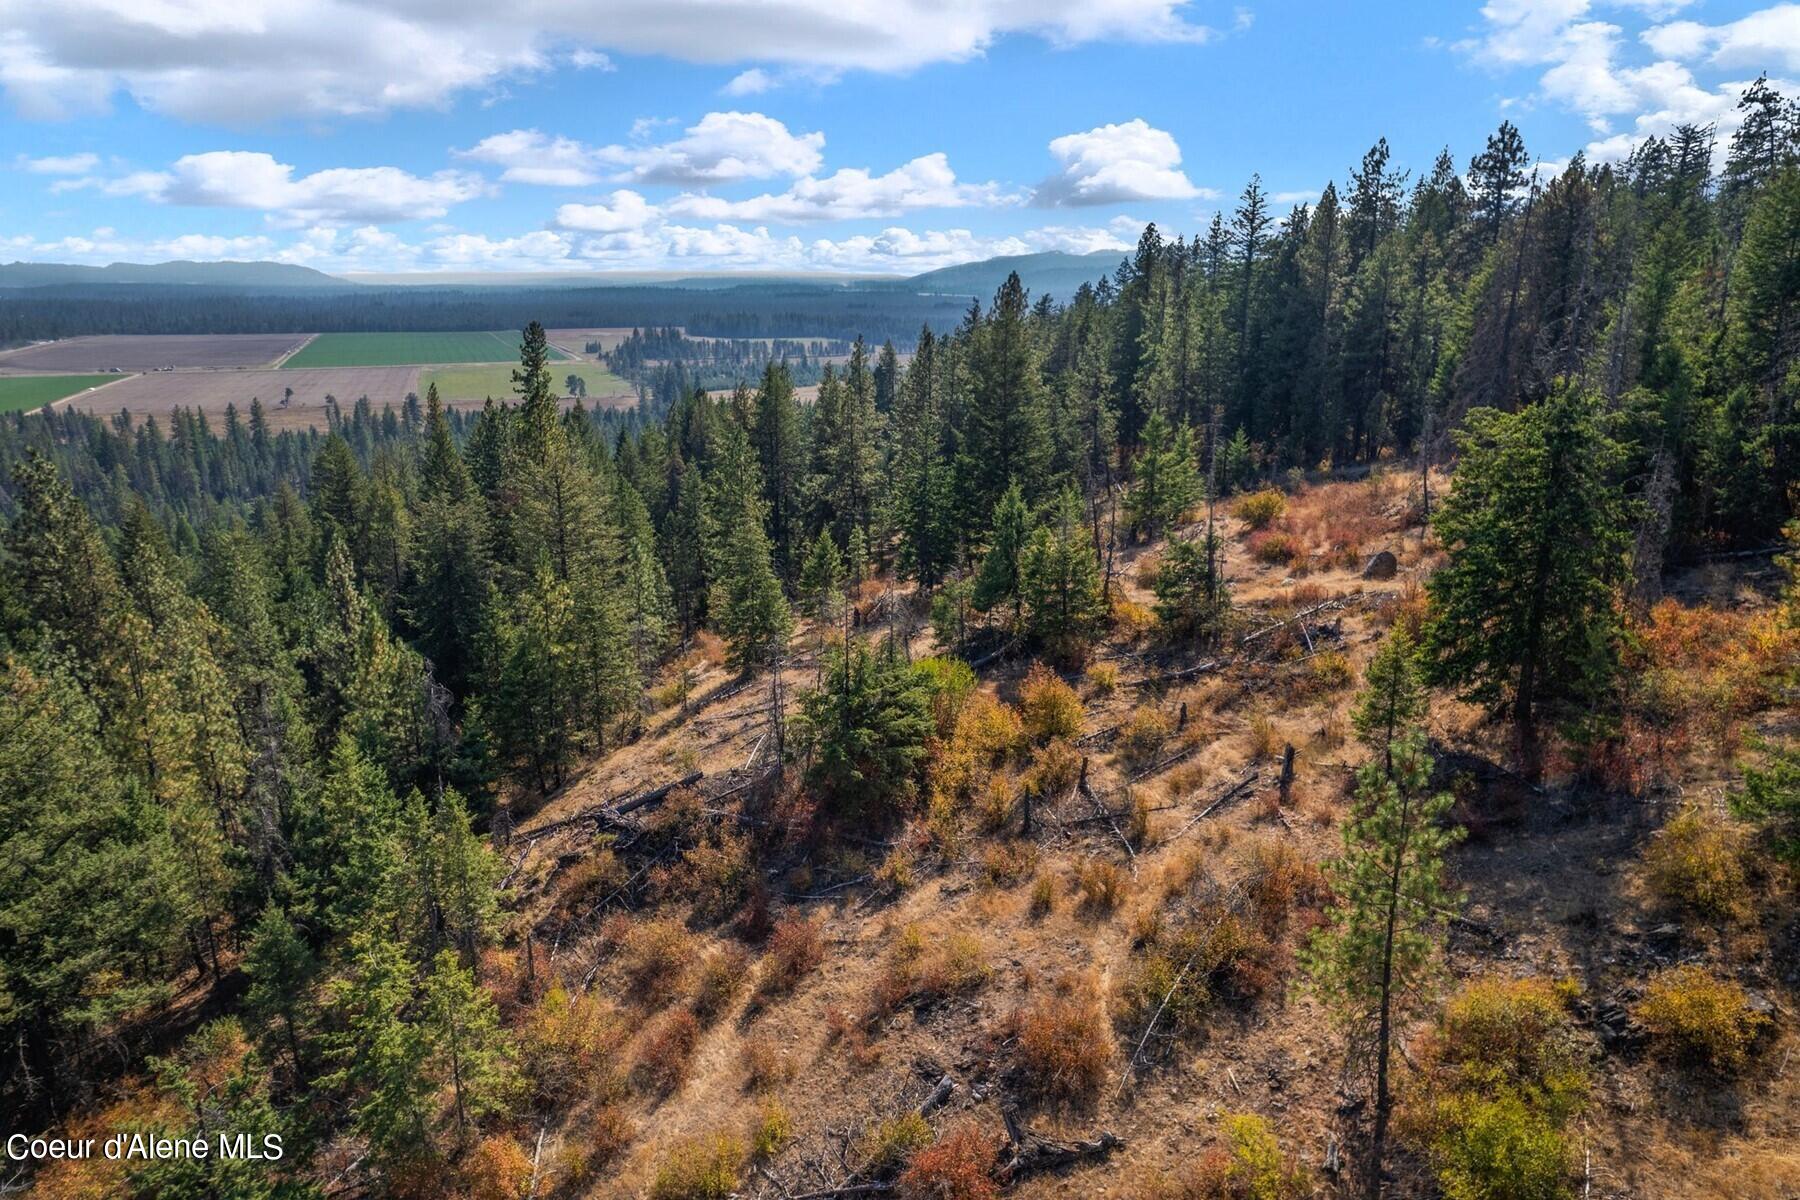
(22, 393)
(459, 385)
(409, 349)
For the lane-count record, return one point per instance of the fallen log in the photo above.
(1032, 1152)
(608, 813)
(1158, 768)
(654, 795)
(1229, 793)
(1211, 664)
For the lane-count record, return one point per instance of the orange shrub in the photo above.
(497, 1169)
(721, 976)
(656, 957)
(1064, 1050)
(794, 949)
(960, 1166)
(1276, 546)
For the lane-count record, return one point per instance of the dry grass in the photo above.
(1064, 1050)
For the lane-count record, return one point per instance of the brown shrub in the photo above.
(722, 975)
(795, 948)
(1064, 1050)
(1043, 895)
(1276, 547)
(1006, 863)
(590, 881)
(663, 1058)
(1699, 1019)
(765, 1065)
(1054, 769)
(717, 874)
(1143, 736)
(588, 1151)
(1049, 707)
(1102, 885)
(925, 967)
(656, 956)
(960, 1166)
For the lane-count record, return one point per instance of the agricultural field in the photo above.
(23, 393)
(573, 341)
(464, 385)
(291, 399)
(150, 352)
(409, 349)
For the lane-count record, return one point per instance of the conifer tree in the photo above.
(1168, 482)
(779, 438)
(379, 1060)
(999, 581)
(1191, 598)
(1393, 696)
(281, 969)
(1007, 441)
(866, 727)
(466, 1044)
(1059, 580)
(1525, 614)
(822, 581)
(1375, 957)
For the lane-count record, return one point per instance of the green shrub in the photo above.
(773, 1130)
(1500, 1149)
(888, 1146)
(704, 1168)
(1698, 1019)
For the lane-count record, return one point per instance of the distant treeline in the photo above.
(749, 311)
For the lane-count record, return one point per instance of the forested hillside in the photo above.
(1315, 708)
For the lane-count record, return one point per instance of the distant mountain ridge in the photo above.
(209, 274)
(1053, 271)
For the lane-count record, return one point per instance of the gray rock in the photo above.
(1382, 565)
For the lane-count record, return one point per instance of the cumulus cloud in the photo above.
(722, 147)
(1116, 163)
(850, 194)
(533, 157)
(261, 59)
(753, 82)
(623, 210)
(1586, 68)
(67, 164)
(254, 180)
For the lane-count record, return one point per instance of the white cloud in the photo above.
(753, 82)
(624, 210)
(254, 60)
(251, 179)
(1764, 40)
(67, 164)
(720, 148)
(1585, 69)
(1116, 163)
(532, 157)
(850, 194)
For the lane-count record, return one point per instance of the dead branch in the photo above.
(1231, 792)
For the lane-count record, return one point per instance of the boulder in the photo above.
(1382, 565)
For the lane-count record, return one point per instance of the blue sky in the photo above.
(867, 136)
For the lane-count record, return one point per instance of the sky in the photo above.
(794, 136)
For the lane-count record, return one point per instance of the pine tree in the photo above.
(866, 727)
(1059, 580)
(998, 582)
(1191, 598)
(281, 969)
(452, 575)
(1168, 482)
(1393, 696)
(1525, 614)
(822, 581)
(747, 605)
(1495, 175)
(1375, 956)
(1007, 437)
(379, 1059)
(530, 705)
(779, 438)
(346, 846)
(466, 1044)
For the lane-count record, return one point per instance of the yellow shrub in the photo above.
(1103, 678)
(703, 1168)
(1050, 708)
(1700, 1019)
(1697, 862)
(1261, 509)
(1143, 735)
